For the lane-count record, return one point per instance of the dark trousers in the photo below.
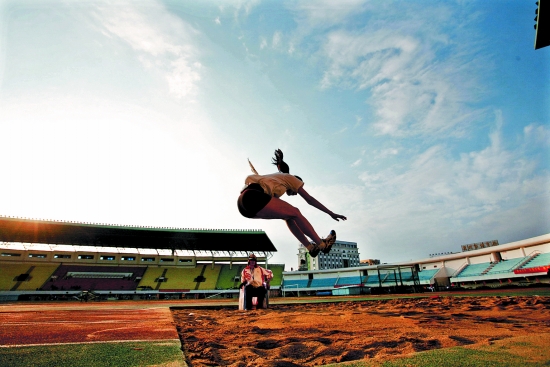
(250, 292)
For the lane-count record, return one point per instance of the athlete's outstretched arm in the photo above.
(314, 202)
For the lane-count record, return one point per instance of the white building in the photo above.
(342, 255)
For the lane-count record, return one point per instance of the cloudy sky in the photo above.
(426, 123)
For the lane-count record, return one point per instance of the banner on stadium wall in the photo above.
(537, 269)
(479, 245)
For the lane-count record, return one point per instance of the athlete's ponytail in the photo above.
(278, 161)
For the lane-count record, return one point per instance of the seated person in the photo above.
(255, 279)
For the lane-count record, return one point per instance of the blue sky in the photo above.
(426, 123)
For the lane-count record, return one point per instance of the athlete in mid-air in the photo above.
(260, 199)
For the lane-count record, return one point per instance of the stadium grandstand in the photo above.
(42, 260)
(516, 264)
(65, 260)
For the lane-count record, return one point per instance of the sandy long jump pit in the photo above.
(324, 333)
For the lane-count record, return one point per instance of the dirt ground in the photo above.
(319, 334)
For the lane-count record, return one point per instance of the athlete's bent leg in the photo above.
(296, 222)
(297, 232)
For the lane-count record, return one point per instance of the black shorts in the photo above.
(252, 200)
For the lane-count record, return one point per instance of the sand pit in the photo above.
(319, 334)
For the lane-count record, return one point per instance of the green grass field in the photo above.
(529, 351)
(514, 352)
(123, 354)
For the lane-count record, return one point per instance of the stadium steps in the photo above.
(407, 276)
(199, 278)
(9, 273)
(24, 276)
(180, 278)
(277, 270)
(323, 282)
(228, 274)
(506, 266)
(295, 284)
(163, 275)
(21, 278)
(539, 260)
(210, 275)
(390, 279)
(40, 277)
(527, 259)
(148, 280)
(372, 281)
(473, 270)
(427, 275)
(488, 269)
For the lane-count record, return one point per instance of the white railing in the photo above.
(531, 256)
(456, 273)
(290, 286)
(223, 292)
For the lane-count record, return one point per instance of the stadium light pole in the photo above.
(542, 32)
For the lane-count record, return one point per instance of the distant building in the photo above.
(370, 262)
(342, 255)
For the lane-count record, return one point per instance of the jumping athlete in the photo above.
(260, 199)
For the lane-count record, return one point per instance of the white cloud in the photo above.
(183, 78)
(537, 133)
(438, 193)
(263, 43)
(277, 39)
(313, 17)
(325, 13)
(388, 152)
(342, 130)
(418, 76)
(358, 120)
(291, 48)
(411, 91)
(239, 8)
(162, 42)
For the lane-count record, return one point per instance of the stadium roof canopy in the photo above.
(86, 234)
